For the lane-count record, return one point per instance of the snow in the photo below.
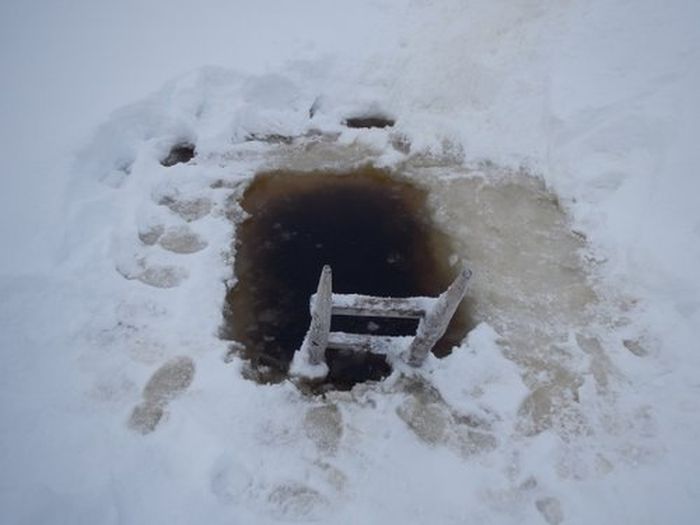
(301, 365)
(574, 399)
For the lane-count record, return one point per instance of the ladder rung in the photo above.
(368, 306)
(377, 344)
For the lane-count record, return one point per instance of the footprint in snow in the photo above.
(296, 501)
(189, 210)
(181, 239)
(176, 239)
(166, 383)
(156, 275)
(324, 426)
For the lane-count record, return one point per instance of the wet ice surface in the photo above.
(532, 285)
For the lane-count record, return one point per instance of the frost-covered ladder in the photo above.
(433, 313)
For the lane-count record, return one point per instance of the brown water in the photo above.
(376, 233)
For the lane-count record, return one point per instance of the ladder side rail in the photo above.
(321, 304)
(433, 326)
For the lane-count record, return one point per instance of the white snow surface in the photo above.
(597, 97)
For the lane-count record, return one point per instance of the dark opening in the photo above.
(179, 154)
(369, 121)
(376, 233)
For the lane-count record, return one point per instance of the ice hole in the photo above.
(377, 234)
(179, 154)
(369, 121)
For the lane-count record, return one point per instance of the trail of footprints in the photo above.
(156, 261)
(288, 498)
(177, 239)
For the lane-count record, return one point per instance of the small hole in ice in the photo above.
(179, 154)
(369, 121)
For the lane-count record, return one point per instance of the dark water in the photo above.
(372, 121)
(179, 153)
(373, 230)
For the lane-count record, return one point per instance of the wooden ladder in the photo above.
(433, 313)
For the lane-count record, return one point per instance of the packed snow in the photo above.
(557, 141)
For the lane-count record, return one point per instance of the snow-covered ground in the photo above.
(557, 139)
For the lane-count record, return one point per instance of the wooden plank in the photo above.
(368, 306)
(377, 344)
(316, 338)
(433, 326)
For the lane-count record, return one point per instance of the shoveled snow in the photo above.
(114, 268)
